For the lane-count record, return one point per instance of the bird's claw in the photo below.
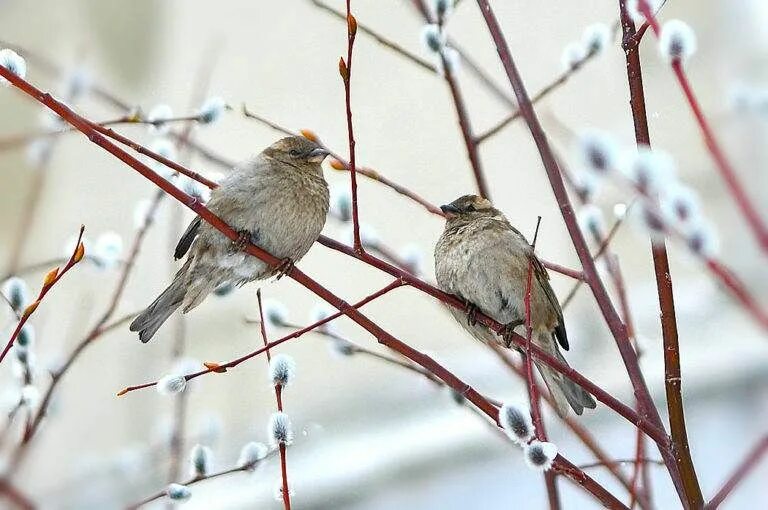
(243, 238)
(471, 310)
(508, 330)
(285, 267)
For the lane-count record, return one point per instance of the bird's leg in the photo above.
(285, 267)
(471, 310)
(508, 330)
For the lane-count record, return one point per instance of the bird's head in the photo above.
(469, 208)
(298, 152)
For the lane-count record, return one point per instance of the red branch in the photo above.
(672, 373)
(748, 209)
(51, 279)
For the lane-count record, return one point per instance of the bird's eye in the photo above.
(294, 152)
(470, 208)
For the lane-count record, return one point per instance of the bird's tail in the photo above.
(149, 321)
(566, 393)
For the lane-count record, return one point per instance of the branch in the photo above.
(51, 279)
(672, 374)
(754, 457)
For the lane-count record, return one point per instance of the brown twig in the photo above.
(51, 279)
(747, 465)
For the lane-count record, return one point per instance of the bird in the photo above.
(277, 200)
(483, 260)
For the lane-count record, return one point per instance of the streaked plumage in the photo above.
(483, 259)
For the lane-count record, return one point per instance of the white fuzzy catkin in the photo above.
(516, 421)
(282, 370)
(677, 41)
(275, 313)
(280, 429)
(432, 38)
(17, 292)
(171, 384)
(591, 219)
(341, 202)
(12, 61)
(633, 8)
(156, 116)
(200, 461)
(108, 248)
(572, 56)
(212, 110)
(651, 170)
(596, 38)
(178, 493)
(598, 151)
(251, 454)
(539, 455)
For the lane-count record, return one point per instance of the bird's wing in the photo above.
(187, 238)
(542, 277)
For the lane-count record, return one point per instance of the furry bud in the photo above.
(540, 455)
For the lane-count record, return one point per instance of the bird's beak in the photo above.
(317, 155)
(449, 210)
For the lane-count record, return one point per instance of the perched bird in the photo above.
(483, 260)
(277, 200)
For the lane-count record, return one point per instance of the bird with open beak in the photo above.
(277, 201)
(483, 260)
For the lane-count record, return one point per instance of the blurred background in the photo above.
(369, 435)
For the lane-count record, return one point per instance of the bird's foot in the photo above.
(243, 238)
(508, 330)
(285, 267)
(471, 310)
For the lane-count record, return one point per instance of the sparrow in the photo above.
(277, 200)
(483, 260)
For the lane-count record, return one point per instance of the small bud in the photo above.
(200, 461)
(432, 38)
(171, 384)
(280, 430)
(275, 313)
(591, 219)
(50, 277)
(343, 69)
(351, 25)
(677, 42)
(650, 221)
(177, 492)
(540, 455)
(109, 247)
(516, 421)
(572, 57)
(620, 210)
(211, 110)
(596, 38)
(341, 346)
(341, 202)
(651, 170)
(282, 370)
(251, 454)
(598, 152)
(310, 135)
(17, 292)
(30, 309)
(79, 253)
(12, 61)
(368, 235)
(157, 117)
(337, 165)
